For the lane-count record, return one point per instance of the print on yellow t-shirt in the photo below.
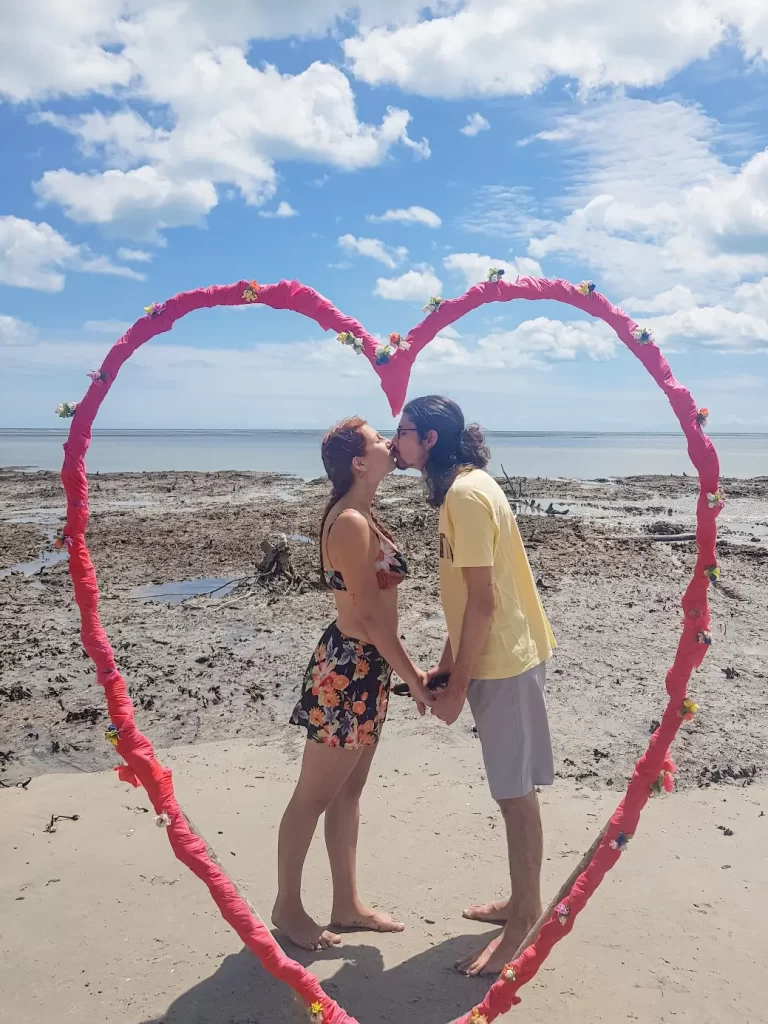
(477, 528)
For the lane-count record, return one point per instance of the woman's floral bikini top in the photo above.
(391, 566)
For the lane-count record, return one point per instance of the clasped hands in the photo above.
(446, 703)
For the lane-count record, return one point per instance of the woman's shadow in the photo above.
(422, 990)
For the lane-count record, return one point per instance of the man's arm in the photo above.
(476, 624)
(445, 665)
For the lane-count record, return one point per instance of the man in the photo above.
(499, 641)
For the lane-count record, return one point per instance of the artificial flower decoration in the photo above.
(433, 305)
(587, 287)
(620, 842)
(66, 409)
(495, 274)
(348, 338)
(112, 735)
(563, 912)
(688, 709)
(702, 416)
(163, 820)
(397, 341)
(715, 500)
(704, 637)
(712, 572)
(642, 335)
(383, 354)
(154, 308)
(665, 783)
(62, 540)
(251, 293)
(316, 1013)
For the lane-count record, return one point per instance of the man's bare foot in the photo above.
(303, 932)
(489, 913)
(363, 919)
(492, 958)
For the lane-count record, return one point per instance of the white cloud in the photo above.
(230, 122)
(475, 267)
(138, 204)
(36, 256)
(49, 49)
(476, 123)
(715, 327)
(16, 332)
(411, 215)
(642, 214)
(535, 344)
(753, 297)
(501, 210)
(134, 255)
(120, 138)
(677, 298)
(114, 327)
(493, 47)
(283, 210)
(413, 286)
(169, 385)
(373, 248)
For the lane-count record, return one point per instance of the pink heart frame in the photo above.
(393, 365)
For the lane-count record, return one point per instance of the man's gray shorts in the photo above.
(511, 719)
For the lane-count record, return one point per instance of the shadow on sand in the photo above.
(422, 990)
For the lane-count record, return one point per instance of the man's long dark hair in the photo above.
(458, 446)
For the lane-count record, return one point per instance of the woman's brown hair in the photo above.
(341, 445)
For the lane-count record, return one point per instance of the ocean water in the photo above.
(579, 455)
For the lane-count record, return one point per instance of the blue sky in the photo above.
(384, 154)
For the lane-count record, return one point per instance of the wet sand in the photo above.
(214, 667)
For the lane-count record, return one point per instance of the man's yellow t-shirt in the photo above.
(477, 528)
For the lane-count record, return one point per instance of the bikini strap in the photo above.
(336, 519)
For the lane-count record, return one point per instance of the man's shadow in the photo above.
(422, 990)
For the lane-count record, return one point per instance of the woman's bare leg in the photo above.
(342, 824)
(324, 771)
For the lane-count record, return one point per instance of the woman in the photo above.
(346, 687)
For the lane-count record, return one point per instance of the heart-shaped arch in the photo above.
(392, 362)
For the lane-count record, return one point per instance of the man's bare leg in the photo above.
(525, 844)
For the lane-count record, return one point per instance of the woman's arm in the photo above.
(353, 548)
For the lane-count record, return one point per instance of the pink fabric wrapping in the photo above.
(142, 767)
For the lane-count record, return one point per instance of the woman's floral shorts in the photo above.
(345, 692)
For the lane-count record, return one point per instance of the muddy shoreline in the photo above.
(212, 667)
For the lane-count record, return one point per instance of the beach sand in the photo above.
(102, 924)
(101, 913)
